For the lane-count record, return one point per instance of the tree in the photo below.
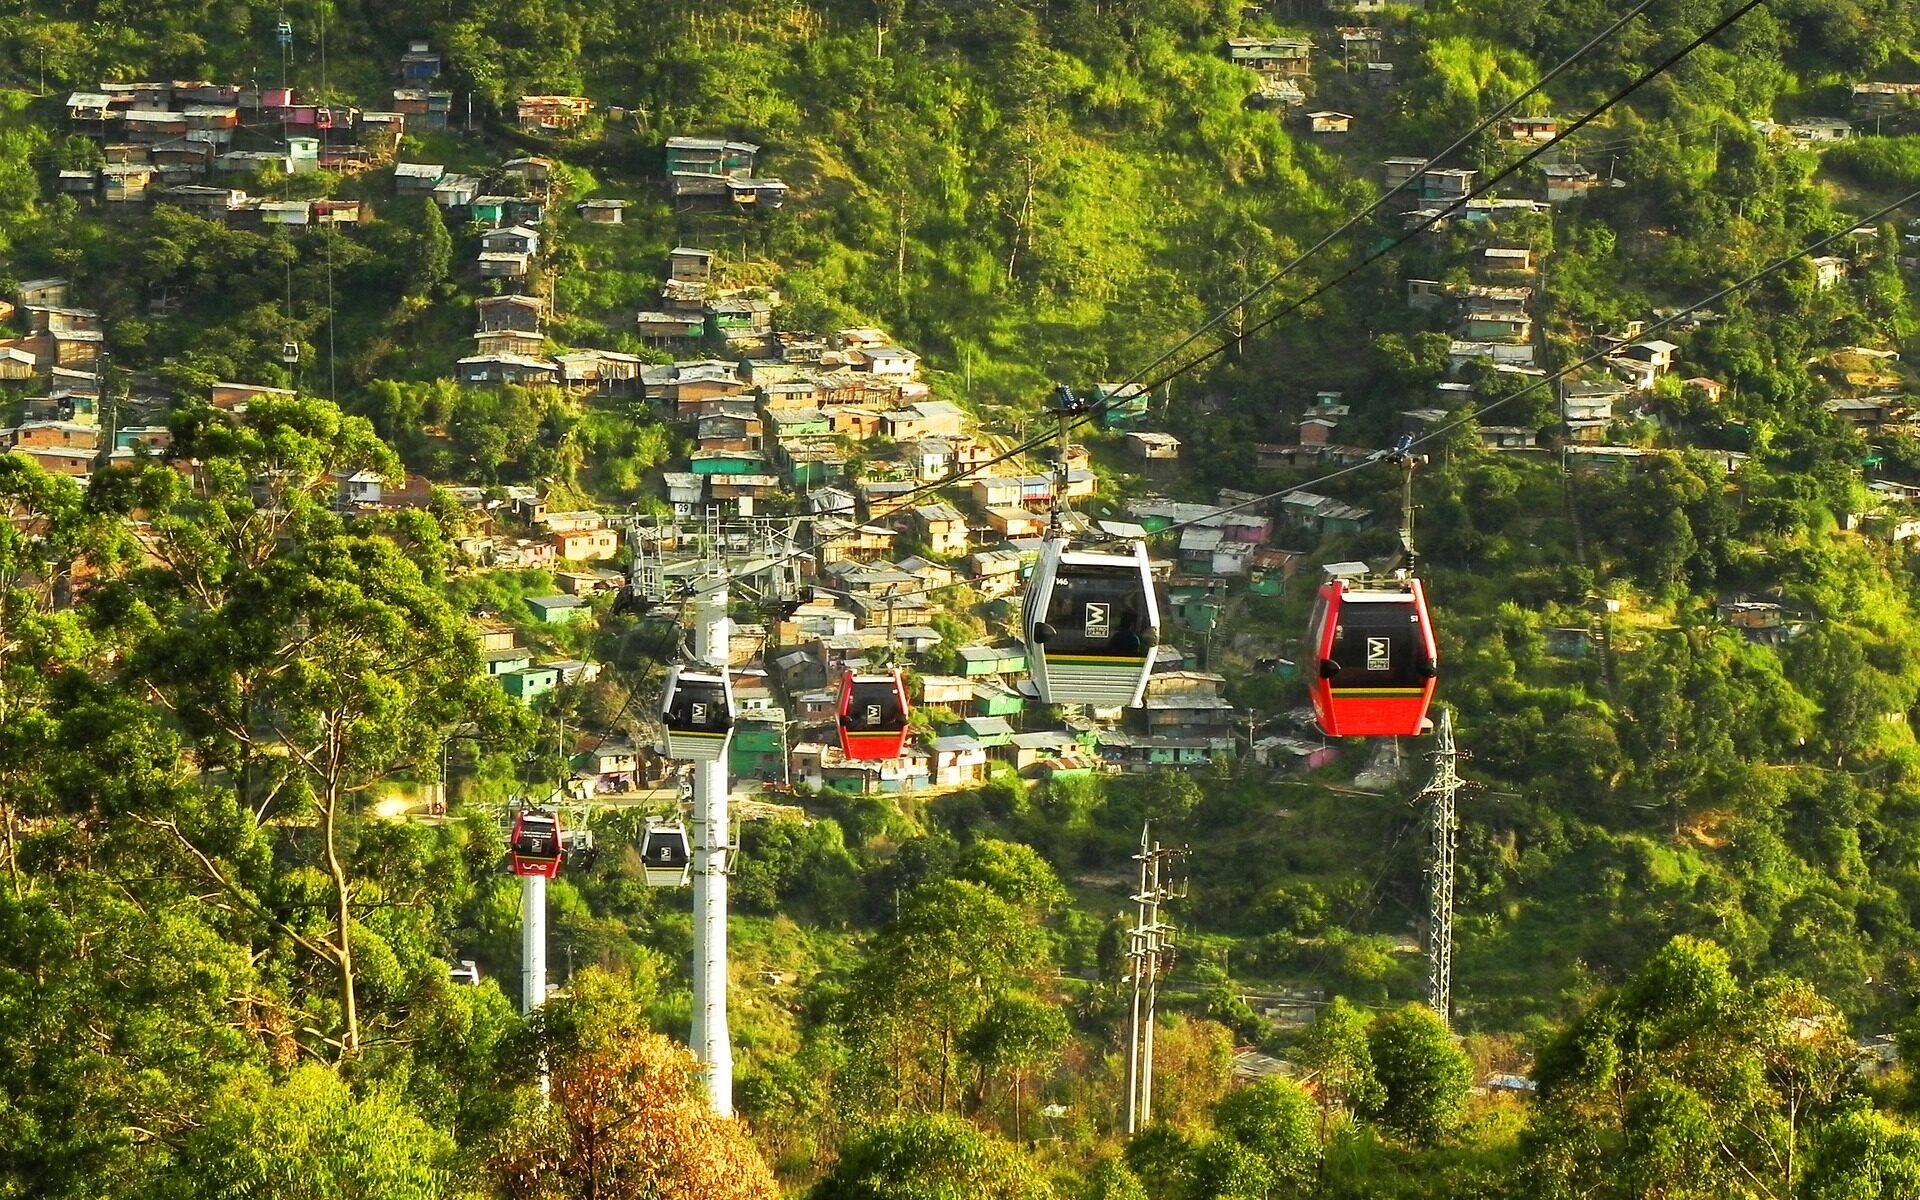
(932, 973)
(1336, 1048)
(1274, 1120)
(930, 1157)
(1113, 1180)
(1424, 1078)
(629, 1116)
(435, 258)
(1019, 1035)
(311, 662)
(308, 1138)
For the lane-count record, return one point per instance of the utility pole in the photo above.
(1444, 832)
(710, 849)
(1149, 956)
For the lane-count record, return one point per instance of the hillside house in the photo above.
(884, 497)
(959, 761)
(507, 368)
(976, 661)
(890, 361)
(1014, 523)
(606, 372)
(725, 431)
(727, 462)
(420, 63)
(1567, 181)
(558, 610)
(1360, 43)
(1273, 58)
(710, 156)
(739, 318)
(1858, 412)
(659, 328)
(519, 313)
(234, 397)
(1531, 129)
(1505, 259)
(518, 342)
(995, 572)
(417, 179)
(1654, 353)
(948, 693)
(551, 114)
(928, 418)
(1497, 326)
(1815, 130)
(1827, 270)
(689, 265)
(1185, 704)
(943, 527)
(585, 545)
(530, 683)
(1874, 99)
(514, 239)
(685, 491)
(1328, 122)
(602, 211)
(72, 462)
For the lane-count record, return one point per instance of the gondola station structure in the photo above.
(874, 715)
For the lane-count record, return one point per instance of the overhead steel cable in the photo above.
(1663, 323)
(1274, 279)
(1485, 123)
(1435, 218)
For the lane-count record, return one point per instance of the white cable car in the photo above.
(1091, 623)
(697, 710)
(664, 855)
(290, 353)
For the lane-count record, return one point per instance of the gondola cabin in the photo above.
(665, 857)
(1377, 664)
(697, 711)
(535, 847)
(873, 716)
(1091, 623)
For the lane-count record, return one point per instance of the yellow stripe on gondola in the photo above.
(689, 733)
(1102, 659)
(1364, 693)
(870, 736)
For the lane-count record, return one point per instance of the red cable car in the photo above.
(1372, 645)
(873, 716)
(535, 847)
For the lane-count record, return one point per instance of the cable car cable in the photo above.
(1296, 305)
(1556, 376)
(1101, 405)
(1364, 214)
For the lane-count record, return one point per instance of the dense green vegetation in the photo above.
(1690, 881)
